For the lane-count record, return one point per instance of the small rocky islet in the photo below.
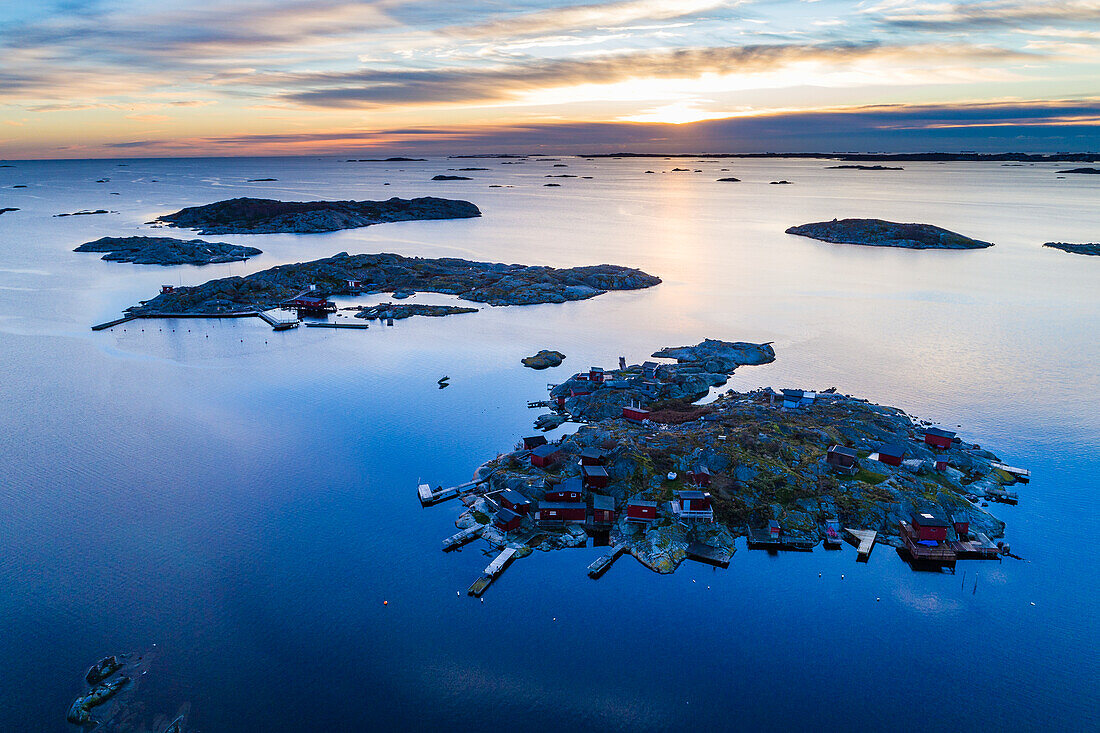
(111, 703)
(544, 359)
(756, 457)
(858, 167)
(1090, 248)
(480, 282)
(399, 311)
(269, 216)
(167, 251)
(881, 233)
(1082, 171)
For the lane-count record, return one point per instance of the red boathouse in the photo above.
(938, 438)
(546, 456)
(565, 511)
(534, 442)
(929, 527)
(635, 414)
(640, 510)
(603, 509)
(517, 502)
(507, 520)
(594, 477)
(568, 490)
(892, 454)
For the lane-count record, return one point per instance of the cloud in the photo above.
(371, 88)
(998, 13)
(593, 15)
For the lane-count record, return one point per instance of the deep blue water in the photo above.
(245, 500)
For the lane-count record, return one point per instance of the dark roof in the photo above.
(796, 393)
(641, 502)
(535, 440)
(591, 453)
(515, 497)
(544, 451)
(850, 452)
(570, 484)
(594, 369)
(599, 501)
(892, 449)
(929, 519)
(649, 365)
(702, 470)
(505, 515)
(594, 470)
(561, 505)
(691, 494)
(940, 432)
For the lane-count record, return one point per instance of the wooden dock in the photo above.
(109, 324)
(461, 538)
(603, 562)
(940, 554)
(429, 496)
(763, 538)
(275, 323)
(492, 572)
(322, 324)
(864, 541)
(982, 548)
(709, 554)
(1020, 474)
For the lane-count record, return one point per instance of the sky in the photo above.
(138, 78)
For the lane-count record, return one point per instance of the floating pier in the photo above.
(864, 540)
(461, 538)
(492, 571)
(982, 548)
(429, 496)
(709, 554)
(763, 537)
(939, 554)
(603, 562)
(1020, 474)
(275, 323)
(319, 324)
(109, 324)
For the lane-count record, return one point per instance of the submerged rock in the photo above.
(880, 233)
(544, 359)
(167, 251)
(268, 216)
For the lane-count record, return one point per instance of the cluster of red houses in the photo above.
(846, 460)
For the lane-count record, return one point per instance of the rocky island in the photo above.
(481, 282)
(665, 479)
(6, 209)
(544, 359)
(398, 311)
(1085, 171)
(858, 167)
(167, 251)
(1078, 249)
(879, 233)
(268, 216)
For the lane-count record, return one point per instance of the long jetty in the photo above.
(323, 324)
(492, 572)
(603, 562)
(461, 538)
(429, 496)
(275, 323)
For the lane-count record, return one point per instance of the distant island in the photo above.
(880, 233)
(396, 159)
(167, 251)
(1086, 171)
(1078, 249)
(857, 167)
(268, 216)
(666, 479)
(6, 209)
(398, 311)
(481, 282)
(914, 157)
(444, 177)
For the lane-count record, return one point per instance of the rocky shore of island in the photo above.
(880, 233)
(480, 282)
(398, 311)
(268, 216)
(167, 251)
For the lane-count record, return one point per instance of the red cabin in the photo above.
(640, 510)
(941, 464)
(693, 505)
(962, 527)
(564, 511)
(927, 526)
(534, 442)
(892, 455)
(774, 529)
(938, 438)
(579, 392)
(166, 289)
(603, 509)
(842, 459)
(594, 477)
(596, 375)
(515, 501)
(699, 476)
(546, 456)
(568, 491)
(507, 520)
(635, 414)
(311, 303)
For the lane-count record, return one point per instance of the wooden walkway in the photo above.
(429, 496)
(492, 572)
(275, 323)
(461, 538)
(864, 540)
(320, 324)
(603, 562)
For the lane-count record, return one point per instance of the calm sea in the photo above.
(244, 500)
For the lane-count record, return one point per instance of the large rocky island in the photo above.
(268, 216)
(481, 282)
(667, 479)
(167, 251)
(880, 233)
